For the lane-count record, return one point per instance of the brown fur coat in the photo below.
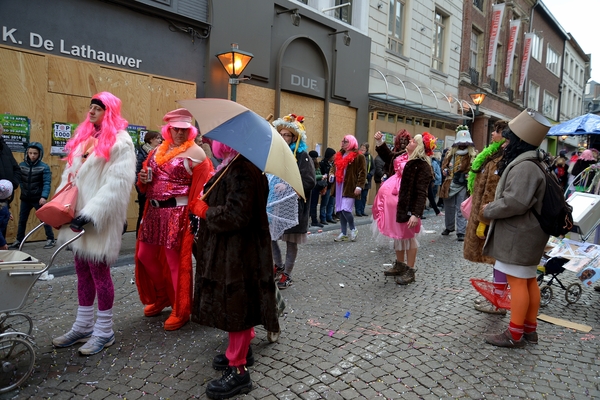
(234, 288)
(484, 190)
(465, 166)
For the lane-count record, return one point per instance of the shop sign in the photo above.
(302, 82)
(36, 41)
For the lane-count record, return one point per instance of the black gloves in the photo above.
(78, 223)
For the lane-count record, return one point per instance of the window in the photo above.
(396, 26)
(536, 47)
(437, 49)
(553, 61)
(550, 103)
(474, 49)
(344, 13)
(533, 98)
(478, 4)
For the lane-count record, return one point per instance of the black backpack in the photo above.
(556, 218)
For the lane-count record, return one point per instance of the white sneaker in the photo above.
(46, 277)
(341, 238)
(353, 234)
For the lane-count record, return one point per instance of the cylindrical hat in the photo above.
(530, 126)
(463, 136)
(180, 118)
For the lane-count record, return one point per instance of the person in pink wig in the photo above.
(100, 161)
(163, 261)
(349, 170)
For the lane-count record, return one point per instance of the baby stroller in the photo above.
(554, 267)
(18, 273)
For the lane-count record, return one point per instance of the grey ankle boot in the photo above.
(407, 277)
(397, 269)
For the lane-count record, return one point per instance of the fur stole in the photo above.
(341, 162)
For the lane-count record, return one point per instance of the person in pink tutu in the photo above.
(400, 202)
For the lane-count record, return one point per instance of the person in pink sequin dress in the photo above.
(180, 169)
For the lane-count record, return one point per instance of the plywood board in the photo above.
(73, 77)
(565, 323)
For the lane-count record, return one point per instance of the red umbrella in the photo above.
(486, 289)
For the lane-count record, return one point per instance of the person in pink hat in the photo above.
(172, 177)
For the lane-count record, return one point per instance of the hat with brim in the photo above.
(180, 118)
(530, 126)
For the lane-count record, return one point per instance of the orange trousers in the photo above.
(524, 300)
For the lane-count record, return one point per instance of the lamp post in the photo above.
(234, 61)
(477, 98)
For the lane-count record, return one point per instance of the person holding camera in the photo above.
(455, 169)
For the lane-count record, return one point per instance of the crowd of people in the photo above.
(201, 199)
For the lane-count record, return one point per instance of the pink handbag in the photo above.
(61, 209)
(465, 207)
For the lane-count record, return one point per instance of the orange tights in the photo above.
(524, 300)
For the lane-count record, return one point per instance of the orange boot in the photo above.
(156, 308)
(174, 322)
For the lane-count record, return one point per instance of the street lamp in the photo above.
(234, 61)
(477, 98)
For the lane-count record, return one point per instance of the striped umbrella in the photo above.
(250, 134)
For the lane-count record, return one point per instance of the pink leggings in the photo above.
(94, 277)
(237, 350)
(148, 255)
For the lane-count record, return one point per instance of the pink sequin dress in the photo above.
(165, 226)
(385, 206)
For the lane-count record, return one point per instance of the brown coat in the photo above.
(356, 176)
(234, 288)
(416, 177)
(484, 190)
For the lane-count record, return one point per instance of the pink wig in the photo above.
(221, 150)
(352, 143)
(166, 133)
(111, 124)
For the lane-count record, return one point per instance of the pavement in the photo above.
(348, 332)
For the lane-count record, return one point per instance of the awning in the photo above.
(407, 94)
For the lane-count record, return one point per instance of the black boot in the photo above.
(314, 222)
(221, 363)
(230, 384)
(407, 277)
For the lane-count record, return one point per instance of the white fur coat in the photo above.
(104, 190)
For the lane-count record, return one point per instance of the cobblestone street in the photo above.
(422, 341)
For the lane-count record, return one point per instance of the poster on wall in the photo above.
(17, 131)
(61, 133)
(137, 133)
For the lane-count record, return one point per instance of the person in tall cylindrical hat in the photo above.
(291, 128)
(455, 169)
(515, 239)
(172, 177)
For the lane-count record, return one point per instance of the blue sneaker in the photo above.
(96, 344)
(70, 338)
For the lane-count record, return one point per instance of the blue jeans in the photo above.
(360, 204)
(24, 216)
(327, 206)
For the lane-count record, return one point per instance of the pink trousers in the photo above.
(237, 350)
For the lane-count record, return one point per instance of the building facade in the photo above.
(150, 53)
(413, 77)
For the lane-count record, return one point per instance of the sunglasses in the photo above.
(177, 130)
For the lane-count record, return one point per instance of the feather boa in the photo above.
(479, 162)
(342, 162)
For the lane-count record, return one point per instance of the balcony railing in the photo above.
(494, 86)
(511, 94)
(474, 74)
